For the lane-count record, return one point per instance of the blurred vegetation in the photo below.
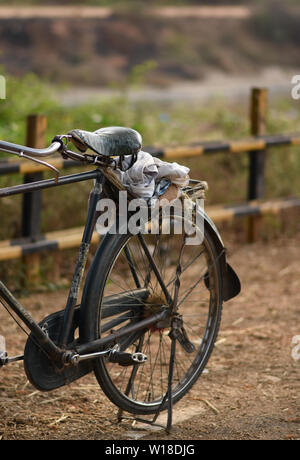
(23, 96)
(278, 24)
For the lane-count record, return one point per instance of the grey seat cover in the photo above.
(111, 141)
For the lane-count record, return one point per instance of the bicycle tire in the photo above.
(122, 394)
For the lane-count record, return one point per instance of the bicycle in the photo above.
(151, 305)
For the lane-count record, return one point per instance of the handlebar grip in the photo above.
(9, 147)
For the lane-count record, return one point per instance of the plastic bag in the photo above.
(142, 179)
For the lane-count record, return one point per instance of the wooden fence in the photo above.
(31, 242)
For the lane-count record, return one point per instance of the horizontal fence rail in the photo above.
(71, 238)
(11, 166)
(255, 144)
(64, 239)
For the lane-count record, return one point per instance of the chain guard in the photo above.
(42, 373)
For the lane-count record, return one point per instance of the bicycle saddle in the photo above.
(111, 141)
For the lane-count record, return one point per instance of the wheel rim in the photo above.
(143, 387)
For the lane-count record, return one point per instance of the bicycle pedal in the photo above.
(127, 359)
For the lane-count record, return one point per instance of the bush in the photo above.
(23, 96)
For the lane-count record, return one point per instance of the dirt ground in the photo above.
(250, 389)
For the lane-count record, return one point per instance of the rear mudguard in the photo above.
(231, 285)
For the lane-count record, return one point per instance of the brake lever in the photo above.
(35, 160)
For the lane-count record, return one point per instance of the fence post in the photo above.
(256, 183)
(32, 202)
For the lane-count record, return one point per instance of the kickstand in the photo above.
(168, 396)
(170, 381)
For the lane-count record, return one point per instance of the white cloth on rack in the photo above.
(143, 176)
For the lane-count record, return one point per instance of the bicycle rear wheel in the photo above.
(141, 388)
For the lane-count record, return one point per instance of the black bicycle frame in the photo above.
(54, 351)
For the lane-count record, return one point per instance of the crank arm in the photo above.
(114, 356)
(75, 359)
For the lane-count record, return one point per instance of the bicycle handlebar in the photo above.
(57, 145)
(17, 149)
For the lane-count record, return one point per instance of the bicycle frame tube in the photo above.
(81, 261)
(44, 184)
(112, 338)
(27, 319)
